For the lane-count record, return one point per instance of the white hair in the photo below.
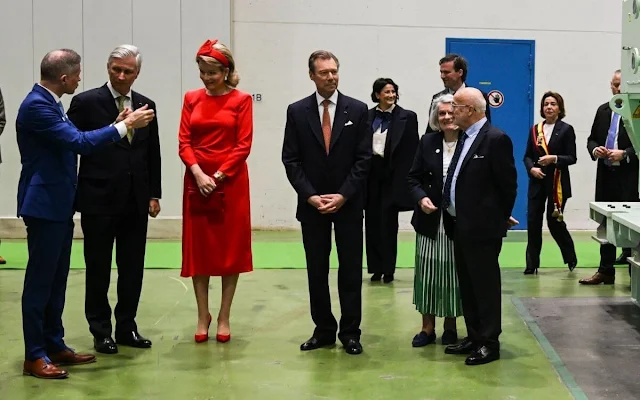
(435, 105)
(479, 103)
(124, 51)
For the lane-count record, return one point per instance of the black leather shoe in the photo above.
(483, 355)
(315, 343)
(572, 265)
(353, 347)
(105, 345)
(622, 260)
(376, 277)
(388, 278)
(133, 339)
(464, 347)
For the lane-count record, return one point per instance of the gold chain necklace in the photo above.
(451, 147)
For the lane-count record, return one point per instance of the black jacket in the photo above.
(562, 143)
(108, 177)
(344, 170)
(402, 141)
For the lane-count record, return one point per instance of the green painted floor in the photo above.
(284, 250)
(262, 361)
(271, 318)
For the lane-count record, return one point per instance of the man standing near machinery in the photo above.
(616, 177)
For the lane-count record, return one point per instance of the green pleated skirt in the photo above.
(435, 283)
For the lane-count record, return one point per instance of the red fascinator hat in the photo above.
(207, 50)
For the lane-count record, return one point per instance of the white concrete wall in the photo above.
(577, 49)
(168, 32)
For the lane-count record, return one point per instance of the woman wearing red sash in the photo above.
(551, 148)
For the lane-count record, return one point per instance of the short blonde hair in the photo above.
(233, 78)
(435, 106)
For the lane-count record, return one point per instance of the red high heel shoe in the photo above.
(223, 338)
(203, 337)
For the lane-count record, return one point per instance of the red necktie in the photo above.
(326, 125)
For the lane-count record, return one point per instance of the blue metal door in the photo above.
(504, 69)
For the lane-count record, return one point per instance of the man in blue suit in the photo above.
(49, 144)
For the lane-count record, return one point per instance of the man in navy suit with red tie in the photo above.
(49, 144)
(326, 153)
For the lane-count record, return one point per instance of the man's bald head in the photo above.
(57, 63)
(474, 97)
(470, 107)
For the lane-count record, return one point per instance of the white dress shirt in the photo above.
(115, 94)
(379, 137)
(451, 91)
(333, 101)
(547, 129)
(55, 96)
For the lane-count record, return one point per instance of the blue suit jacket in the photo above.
(49, 144)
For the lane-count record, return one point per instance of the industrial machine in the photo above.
(619, 221)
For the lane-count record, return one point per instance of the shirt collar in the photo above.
(450, 91)
(333, 99)
(115, 93)
(474, 129)
(55, 96)
(389, 110)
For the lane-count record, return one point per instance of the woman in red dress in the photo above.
(216, 130)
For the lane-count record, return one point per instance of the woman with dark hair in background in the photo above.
(551, 148)
(395, 138)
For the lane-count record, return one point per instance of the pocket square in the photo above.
(348, 123)
(477, 156)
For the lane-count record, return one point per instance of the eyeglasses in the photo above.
(454, 105)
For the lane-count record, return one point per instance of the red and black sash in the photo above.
(540, 142)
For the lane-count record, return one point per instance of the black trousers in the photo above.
(558, 230)
(480, 289)
(129, 231)
(616, 190)
(381, 221)
(316, 237)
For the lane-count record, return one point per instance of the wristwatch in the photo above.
(219, 176)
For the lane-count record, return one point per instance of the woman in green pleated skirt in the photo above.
(436, 292)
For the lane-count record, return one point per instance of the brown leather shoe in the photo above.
(40, 368)
(2, 261)
(597, 279)
(69, 357)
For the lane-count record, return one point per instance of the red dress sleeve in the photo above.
(185, 151)
(244, 137)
